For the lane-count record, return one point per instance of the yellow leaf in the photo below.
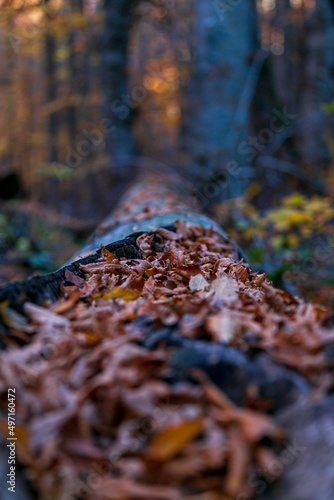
(277, 242)
(293, 240)
(80, 20)
(299, 218)
(295, 200)
(119, 292)
(253, 190)
(173, 439)
(306, 231)
(62, 53)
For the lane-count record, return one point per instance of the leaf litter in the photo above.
(100, 415)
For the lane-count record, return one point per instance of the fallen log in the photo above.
(149, 203)
(157, 365)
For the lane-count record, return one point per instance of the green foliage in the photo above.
(328, 107)
(33, 245)
(295, 238)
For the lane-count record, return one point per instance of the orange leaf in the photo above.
(90, 339)
(22, 443)
(171, 440)
(63, 306)
(108, 256)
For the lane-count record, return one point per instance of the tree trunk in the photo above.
(73, 66)
(224, 43)
(315, 86)
(51, 93)
(302, 78)
(118, 107)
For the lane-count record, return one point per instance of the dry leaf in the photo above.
(238, 463)
(198, 282)
(222, 326)
(119, 292)
(171, 440)
(44, 317)
(225, 288)
(256, 426)
(13, 319)
(73, 278)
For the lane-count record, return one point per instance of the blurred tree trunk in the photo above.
(76, 7)
(282, 35)
(8, 105)
(51, 93)
(223, 42)
(302, 76)
(315, 84)
(119, 110)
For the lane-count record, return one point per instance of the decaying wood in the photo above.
(175, 371)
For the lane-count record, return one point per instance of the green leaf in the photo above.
(328, 107)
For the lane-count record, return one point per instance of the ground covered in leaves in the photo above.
(102, 411)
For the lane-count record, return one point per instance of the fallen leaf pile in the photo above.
(99, 416)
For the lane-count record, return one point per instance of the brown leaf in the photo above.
(255, 426)
(13, 319)
(63, 306)
(238, 463)
(73, 278)
(45, 317)
(124, 489)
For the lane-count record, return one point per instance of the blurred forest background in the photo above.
(235, 95)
